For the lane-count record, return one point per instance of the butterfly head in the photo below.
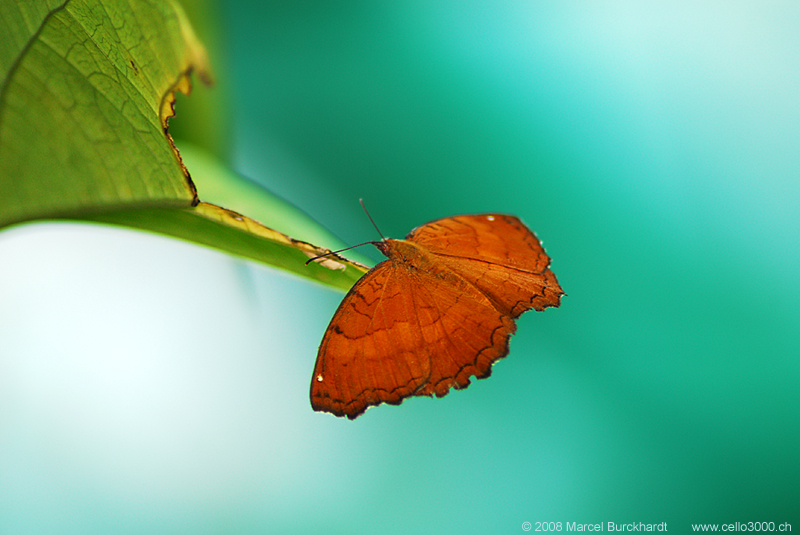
(385, 246)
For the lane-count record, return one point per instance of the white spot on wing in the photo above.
(490, 217)
(319, 378)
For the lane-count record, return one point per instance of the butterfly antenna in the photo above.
(352, 246)
(336, 252)
(371, 220)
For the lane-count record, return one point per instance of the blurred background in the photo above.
(652, 147)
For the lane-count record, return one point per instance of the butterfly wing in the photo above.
(497, 254)
(373, 350)
(463, 331)
(400, 333)
(404, 330)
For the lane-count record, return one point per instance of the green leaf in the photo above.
(222, 225)
(83, 97)
(86, 89)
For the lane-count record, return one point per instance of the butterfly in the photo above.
(438, 311)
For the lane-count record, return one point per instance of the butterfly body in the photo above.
(404, 252)
(438, 311)
(416, 259)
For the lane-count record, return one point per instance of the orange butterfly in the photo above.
(440, 310)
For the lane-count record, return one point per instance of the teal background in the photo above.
(652, 147)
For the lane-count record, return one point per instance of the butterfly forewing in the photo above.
(496, 253)
(373, 351)
(494, 238)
